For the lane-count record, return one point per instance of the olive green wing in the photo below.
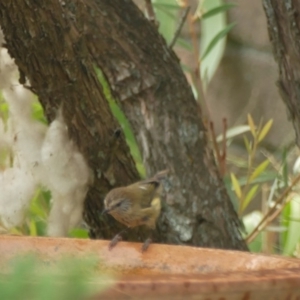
(148, 189)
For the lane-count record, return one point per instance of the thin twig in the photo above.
(266, 219)
(178, 30)
(223, 168)
(195, 74)
(215, 144)
(150, 12)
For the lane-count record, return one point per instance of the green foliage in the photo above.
(291, 221)
(218, 9)
(30, 278)
(216, 39)
(166, 12)
(246, 191)
(212, 21)
(38, 112)
(119, 115)
(281, 200)
(214, 29)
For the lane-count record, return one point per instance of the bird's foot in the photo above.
(146, 244)
(115, 241)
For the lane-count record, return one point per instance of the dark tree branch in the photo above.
(284, 30)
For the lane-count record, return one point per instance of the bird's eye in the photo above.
(119, 204)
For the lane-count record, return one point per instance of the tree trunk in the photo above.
(52, 54)
(284, 31)
(145, 75)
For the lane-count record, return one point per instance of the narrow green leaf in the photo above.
(285, 221)
(236, 185)
(167, 16)
(217, 10)
(252, 125)
(285, 171)
(184, 44)
(250, 195)
(293, 232)
(259, 170)
(265, 130)
(210, 27)
(216, 39)
(247, 144)
(266, 177)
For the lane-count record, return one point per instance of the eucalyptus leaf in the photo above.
(217, 10)
(166, 14)
(233, 132)
(293, 232)
(212, 47)
(220, 35)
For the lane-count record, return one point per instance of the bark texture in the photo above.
(52, 53)
(60, 40)
(283, 18)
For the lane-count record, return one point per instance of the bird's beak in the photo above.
(105, 211)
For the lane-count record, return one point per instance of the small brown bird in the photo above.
(136, 204)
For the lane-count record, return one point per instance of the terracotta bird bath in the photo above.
(172, 272)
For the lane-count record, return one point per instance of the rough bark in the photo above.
(146, 77)
(51, 52)
(284, 30)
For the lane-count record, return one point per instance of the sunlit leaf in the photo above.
(285, 221)
(210, 28)
(37, 208)
(217, 10)
(236, 185)
(293, 232)
(285, 172)
(259, 170)
(247, 144)
(79, 233)
(38, 112)
(250, 195)
(167, 17)
(265, 130)
(216, 39)
(119, 115)
(267, 176)
(251, 125)
(233, 132)
(4, 110)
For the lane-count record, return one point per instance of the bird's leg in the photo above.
(148, 241)
(117, 238)
(146, 244)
